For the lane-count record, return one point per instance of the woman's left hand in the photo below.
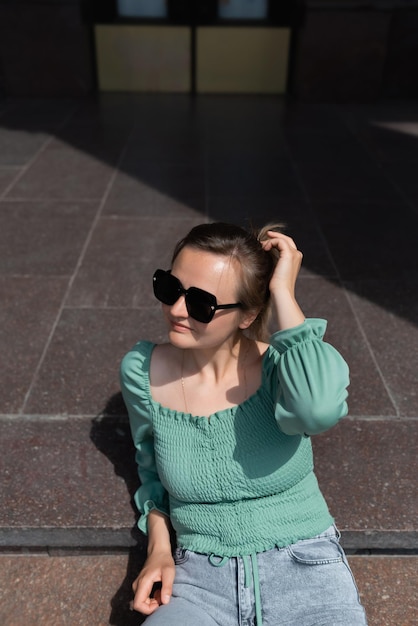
(289, 263)
(283, 281)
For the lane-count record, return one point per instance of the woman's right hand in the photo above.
(159, 567)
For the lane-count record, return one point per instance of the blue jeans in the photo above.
(308, 583)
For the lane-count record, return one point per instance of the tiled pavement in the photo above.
(93, 194)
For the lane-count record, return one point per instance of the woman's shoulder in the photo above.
(144, 352)
(136, 361)
(262, 347)
(166, 360)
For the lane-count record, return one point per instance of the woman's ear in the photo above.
(247, 318)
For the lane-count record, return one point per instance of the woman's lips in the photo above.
(177, 326)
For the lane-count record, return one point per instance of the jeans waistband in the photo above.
(250, 563)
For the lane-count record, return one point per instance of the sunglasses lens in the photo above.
(200, 305)
(166, 287)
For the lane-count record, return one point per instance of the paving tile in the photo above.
(324, 117)
(305, 230)
(362, 247)
(92, 136)
(387, 131)
(46, 114)
(43, 238)
(28, 309)
(18, 146)
(121, 259)
(68, 593)
(7, 175)
(389, 135)
(252, 176)
(232, 133)
(110, 109)
(362, 180)
(312, 144)
(64, 172)
(387, 586)
(403, 175)
(173, 179)
(80, 372)
(164, 190)
(3, 105)
(367, 392)
(367, 470)
(27, 125)
(79, 475)
(158, 140)
(388, 313)
(254, 211)
(166, 129)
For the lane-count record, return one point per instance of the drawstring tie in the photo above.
(249, 562)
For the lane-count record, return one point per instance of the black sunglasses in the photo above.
(200, 304)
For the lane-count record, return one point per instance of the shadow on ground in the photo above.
(111, 435)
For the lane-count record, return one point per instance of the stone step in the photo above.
(42, 590)
(68, 483)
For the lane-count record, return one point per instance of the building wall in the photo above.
(45, 48)
(356, 53)
(341, 50)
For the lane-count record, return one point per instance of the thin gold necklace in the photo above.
(182, 382)
(244, 370)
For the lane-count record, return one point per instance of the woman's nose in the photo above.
(179, 309)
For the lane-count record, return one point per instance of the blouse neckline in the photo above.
(231, 410)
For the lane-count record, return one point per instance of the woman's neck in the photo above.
(215, 364)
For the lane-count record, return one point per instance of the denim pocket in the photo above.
(321, 551)
(181, 555)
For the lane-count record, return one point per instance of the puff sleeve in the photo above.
(135, 389)
(312, 380)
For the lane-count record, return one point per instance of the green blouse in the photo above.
(242, 480)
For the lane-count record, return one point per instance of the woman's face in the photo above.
(218, 275)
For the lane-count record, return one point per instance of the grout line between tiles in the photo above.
(73, 199)
(63, 417)
(206, 166)
(371, 351)
(23, 169)
(101, 307)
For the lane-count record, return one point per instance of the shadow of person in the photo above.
(121, 614)
(110, 433)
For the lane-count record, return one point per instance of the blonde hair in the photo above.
(256, 265)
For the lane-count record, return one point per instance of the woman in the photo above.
(221, 421)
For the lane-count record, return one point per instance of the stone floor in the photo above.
(93, 194)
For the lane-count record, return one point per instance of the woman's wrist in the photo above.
(159, 540)
(286, 310)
